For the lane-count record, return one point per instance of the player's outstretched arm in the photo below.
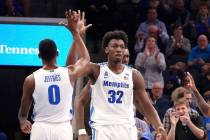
(80, 104)
(142, 97)
(28, 89)
(76, 24)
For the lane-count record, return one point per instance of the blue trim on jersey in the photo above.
(33, 116)
(91, 113)
(93, 134)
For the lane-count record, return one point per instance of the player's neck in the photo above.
(49, 65)
(116, 67)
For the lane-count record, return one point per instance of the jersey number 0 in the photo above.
(54, 94)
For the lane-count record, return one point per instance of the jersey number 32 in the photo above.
(115, 96)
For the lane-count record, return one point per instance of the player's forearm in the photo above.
(81, 47)
(71, 58)
(22, 116)
(204, 107)
(79, 114)
(152, 116)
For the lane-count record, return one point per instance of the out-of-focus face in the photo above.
(203, 10)
(154, 3)
(188, 97)
(153, 31)
(126, 56)
(115, 50)
(181, 109)
(152, 14)
(151, 43)
(157, 90)
(179, 4)
(202, 42)
(178, 31)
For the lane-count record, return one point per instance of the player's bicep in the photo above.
(139, 87)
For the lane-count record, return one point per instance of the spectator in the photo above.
(151, 63)
(152, 20)
(143, 129)
(199, 55)
(178, 47)
(160, 103)
(202, 22)
(177, 94)
(182, 125)
(178, 15)
(153, 31)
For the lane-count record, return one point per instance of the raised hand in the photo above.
(72, 20)
(82, 23)
(174, 118)
(76, 22)
(157, 51)
(185, 119)
(191, 83)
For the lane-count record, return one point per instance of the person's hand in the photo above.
(157, 51)
(81, 23)
(82, 27)
(25, 127)
(141, 36)
(177, 45)
(174, 118)
(185, 119)
(191, 84)
(83, 137)
(146, 52)
(201, 61)
(73, 18)
(161, 133)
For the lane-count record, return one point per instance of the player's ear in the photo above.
(106, 50)
(57, 53)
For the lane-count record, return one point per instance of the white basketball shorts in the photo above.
(51, 131)
(114, 132)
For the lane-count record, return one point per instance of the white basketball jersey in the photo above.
(52, 95)
(112, 98)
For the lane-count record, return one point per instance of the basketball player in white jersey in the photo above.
(113, 86)
(51, 88)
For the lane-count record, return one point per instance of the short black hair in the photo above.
(47, 49)
(116, 34)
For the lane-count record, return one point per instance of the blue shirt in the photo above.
(201, 27)
(207, 126)
(197, 53)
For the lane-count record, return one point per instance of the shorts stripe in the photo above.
(93, 134)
